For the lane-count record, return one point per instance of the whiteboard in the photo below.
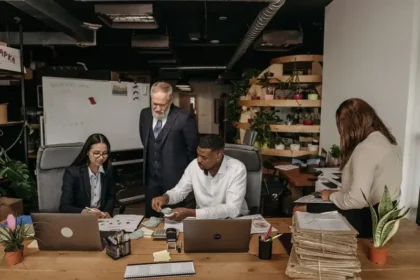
(76, 108)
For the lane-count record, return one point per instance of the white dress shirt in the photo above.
(218, 197)
(95, 187)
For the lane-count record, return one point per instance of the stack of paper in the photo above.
(129, 223)
(161, 256)
(324, 247)
(259, 224)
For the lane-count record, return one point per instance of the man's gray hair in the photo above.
(162, 87)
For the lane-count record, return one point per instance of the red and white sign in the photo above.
(9, 59)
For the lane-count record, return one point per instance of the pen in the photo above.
(275, 237)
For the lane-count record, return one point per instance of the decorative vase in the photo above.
(269, 97)
(279, 146)
(378, 255)
(298, 96)
(15, 257)
(307, 122)
(313, 96)
(336, 162)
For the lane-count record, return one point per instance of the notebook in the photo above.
(154, 270)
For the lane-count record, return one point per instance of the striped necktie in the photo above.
(158, 128)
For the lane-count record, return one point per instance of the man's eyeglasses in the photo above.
(97, 154)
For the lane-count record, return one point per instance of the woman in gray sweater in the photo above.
(370, 160)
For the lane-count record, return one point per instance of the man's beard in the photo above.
(160, 116)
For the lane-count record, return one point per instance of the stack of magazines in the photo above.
(324, 247)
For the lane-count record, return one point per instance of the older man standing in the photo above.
(169, 136)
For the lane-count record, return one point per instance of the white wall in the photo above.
(370, 52)
(206, 92)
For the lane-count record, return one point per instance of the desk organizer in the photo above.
(118, 245)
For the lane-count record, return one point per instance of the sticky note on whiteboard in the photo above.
(92, 100)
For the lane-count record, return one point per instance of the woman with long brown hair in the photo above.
(370, 160)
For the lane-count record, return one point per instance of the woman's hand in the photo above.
(105, 215)
(325, 194)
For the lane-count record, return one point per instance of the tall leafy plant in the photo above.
(18, 180)
(386, 222)
(261, 124)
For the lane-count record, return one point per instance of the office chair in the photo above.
(51, 162)
(250, 137)
(251, 157)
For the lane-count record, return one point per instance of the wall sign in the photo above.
(9, 59)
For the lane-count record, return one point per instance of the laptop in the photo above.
(67, 232)
(208, 236)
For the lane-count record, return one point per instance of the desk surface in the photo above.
(403, 262)
(295, 177)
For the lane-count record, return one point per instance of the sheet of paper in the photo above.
(33, 244)
(162, 256)
(286, 167)
(311, 199)
(147, 232)
(173, 224)
(328, 221)
(129, 223)
(259, 224)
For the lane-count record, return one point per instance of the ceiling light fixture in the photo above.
(222, 18)
(214, 41)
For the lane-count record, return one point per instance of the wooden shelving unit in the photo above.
(11, 123)
(281, 103)
(285, 128)
(287, 152)
(307, 73)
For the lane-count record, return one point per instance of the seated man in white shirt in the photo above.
(218, 182)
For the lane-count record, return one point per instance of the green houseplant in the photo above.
(335, 154)
(261, 124)
(12, 236)
(385, 225)
(18, 181)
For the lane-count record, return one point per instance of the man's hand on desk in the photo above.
(159, 201)
(325, 194)
(182, 213)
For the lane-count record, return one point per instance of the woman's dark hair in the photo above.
(356, 119)
(83, 158)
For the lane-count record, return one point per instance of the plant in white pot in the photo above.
(278, 143)
(335, 154)
(385, 225)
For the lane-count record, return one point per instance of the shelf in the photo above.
(11, 123)
(296, 58)
(287, 153)
(285, 128)
(9, 75)
(303, 79)
(280, 103)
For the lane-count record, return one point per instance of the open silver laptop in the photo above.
(67, 232)
(224, 236)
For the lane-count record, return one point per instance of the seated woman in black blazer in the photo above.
(88, 184)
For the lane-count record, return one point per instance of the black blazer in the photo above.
(179, 143)
(76, 192)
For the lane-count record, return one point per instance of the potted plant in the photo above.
(335, 154)
(385, 225)
(278, 143)
(269, 82)
(261, 124)
(18, 180)
(307, 118)
(12, 236)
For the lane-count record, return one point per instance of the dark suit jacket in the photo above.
(179, 143)
(76, 192)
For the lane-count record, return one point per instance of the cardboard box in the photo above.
(10, 206)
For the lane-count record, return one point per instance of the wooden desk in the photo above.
(299, 182)
(403, 263)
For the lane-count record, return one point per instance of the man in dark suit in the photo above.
(169, 136)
